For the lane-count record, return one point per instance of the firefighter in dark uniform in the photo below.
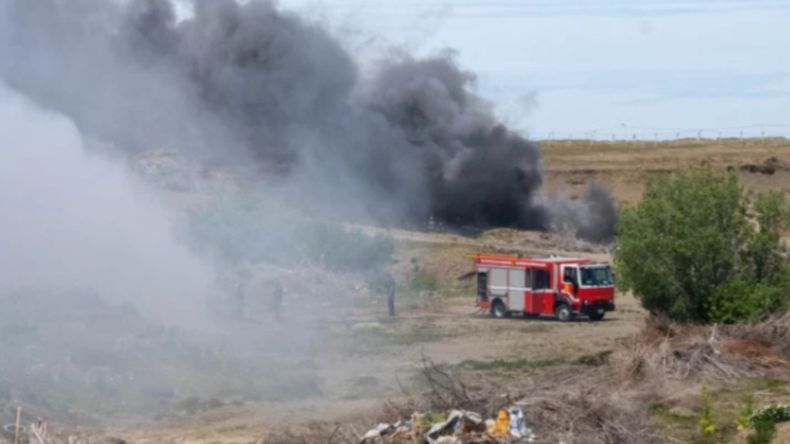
(239, 294)
(390, 286)
(277, 299)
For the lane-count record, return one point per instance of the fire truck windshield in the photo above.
(597, 276)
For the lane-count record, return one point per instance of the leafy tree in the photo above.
(691, 250)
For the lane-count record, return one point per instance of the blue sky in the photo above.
(596, 68)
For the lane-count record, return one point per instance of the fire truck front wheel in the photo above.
(498, 309)
(563, 312)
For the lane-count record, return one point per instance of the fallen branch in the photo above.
(450, 393)
(38, 434)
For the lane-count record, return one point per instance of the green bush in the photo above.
(706, 425)
(691, 251)
(775, 413)
(743, 419)
(246, 228)
(764, 423)
(338, 248)
(738, 300)
(425, 281)
(249, 229)
(764, 432)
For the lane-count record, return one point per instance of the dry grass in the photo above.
(623, 165)
(647, 391)
(674, 361)
(664, 365)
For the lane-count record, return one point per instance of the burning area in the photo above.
(122, 296)
(401, 142)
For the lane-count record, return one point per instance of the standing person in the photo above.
(390, 288)
(277, 298)
(241, 277)
(239, 294)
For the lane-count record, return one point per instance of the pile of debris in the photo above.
(768, 167)
(460, 427)
(718, 353)
(37, 433)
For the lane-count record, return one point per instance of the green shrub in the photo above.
(743, 419)
(764, 423)
(689, 249)
(425, 281)
(764, 431)
(250, 229)
(706, 426)
(775, 413)
(338, 248)
(739, 300)
(246, 228)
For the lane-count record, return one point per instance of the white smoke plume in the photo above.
(78, 222)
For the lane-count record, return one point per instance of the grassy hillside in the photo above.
(623, 165)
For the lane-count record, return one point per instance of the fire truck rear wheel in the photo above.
(563, 312)
(498, 309)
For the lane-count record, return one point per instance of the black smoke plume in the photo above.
(239, 82)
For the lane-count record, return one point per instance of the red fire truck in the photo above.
(564, 287)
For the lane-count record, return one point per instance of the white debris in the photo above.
(518, 426)
(458, 422)
(380, 430)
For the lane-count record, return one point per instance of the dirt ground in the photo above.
(365, 359)
(782, 434)
(356, 382)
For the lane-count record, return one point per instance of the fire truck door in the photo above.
(482, 285)
(529, 297)
(517, 288)
(497, 283)
(542, 294)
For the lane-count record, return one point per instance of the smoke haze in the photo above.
(80, 223)
(104, 311)
(403, 141)
(262, 93)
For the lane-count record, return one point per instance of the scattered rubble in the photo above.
(460, 427)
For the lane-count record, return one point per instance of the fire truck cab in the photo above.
(563, 287)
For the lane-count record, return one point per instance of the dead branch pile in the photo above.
(445, 391)
(315, 434)
(572, 414)
(665, 362)
(611, 403)
(38, 434)
(578, 407)
(771, 337)
(701, 353)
